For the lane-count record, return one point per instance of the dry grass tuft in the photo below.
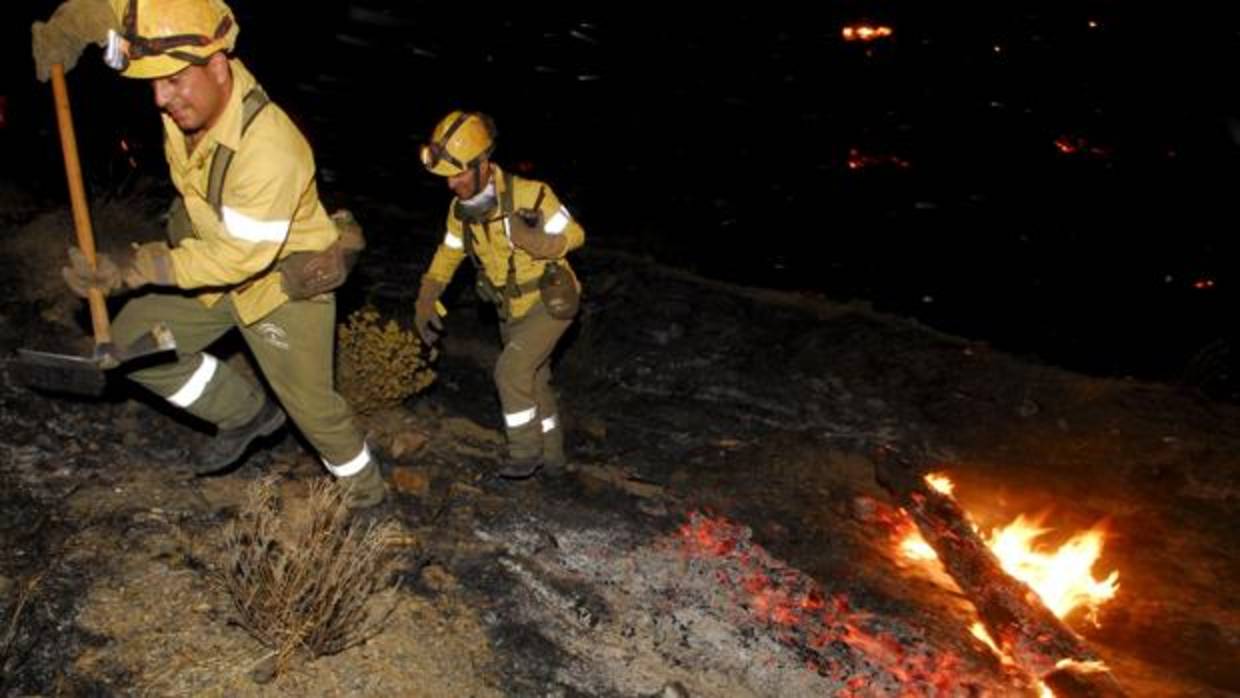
(315, 588)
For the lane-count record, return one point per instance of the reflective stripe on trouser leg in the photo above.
(522, 374)
(354, 466)
(197, 382)
(552, 434)
(293, 346)
(552, 442)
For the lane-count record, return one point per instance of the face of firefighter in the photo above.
(469, 183)
(196, 96)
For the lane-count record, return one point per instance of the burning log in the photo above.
(1024, 628)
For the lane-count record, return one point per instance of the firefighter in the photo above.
(517, 233)
(251, 246)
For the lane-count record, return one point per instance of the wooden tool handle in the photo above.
(77, 196)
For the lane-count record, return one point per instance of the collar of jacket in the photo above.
(227, 129)
(497, 176)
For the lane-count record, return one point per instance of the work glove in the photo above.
(71, 27)
(81, 277)
(149, 263)
(425, 315)
(525, 231)
(145, 264)
(351, 240)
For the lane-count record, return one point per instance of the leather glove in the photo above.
(80, 277)
(425, 315)
(351, 241)
(71, 27)
(146, 264)
(149, 263)
(525, 231)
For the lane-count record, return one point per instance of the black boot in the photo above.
(230, 444)
(521, 469)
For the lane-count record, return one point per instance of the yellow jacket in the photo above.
(493, 248)
(270, 206)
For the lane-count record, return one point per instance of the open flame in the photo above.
(1063, 577)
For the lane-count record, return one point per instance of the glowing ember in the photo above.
(865, 32)
(941, 483)
(914, 547)
(807, 617)
(979, 631)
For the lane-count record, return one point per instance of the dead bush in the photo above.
(311, 588)
(379, 364)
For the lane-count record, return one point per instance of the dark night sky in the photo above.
(722, 143)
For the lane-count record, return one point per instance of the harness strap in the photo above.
(254, 102)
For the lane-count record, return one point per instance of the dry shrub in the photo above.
(315, 588)
(379, 364)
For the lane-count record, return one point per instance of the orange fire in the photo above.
(1063, 578)
(865, 32)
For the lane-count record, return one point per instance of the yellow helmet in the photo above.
(161, 37)
(459, 141)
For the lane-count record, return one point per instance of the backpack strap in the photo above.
(253, 103)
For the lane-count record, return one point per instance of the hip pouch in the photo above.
(559, 291)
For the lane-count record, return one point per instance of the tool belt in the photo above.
(502, 297)
(308, 274)
(302, 274)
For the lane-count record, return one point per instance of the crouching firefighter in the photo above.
(517, 233)
(251, 245)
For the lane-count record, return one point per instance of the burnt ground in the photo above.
(722, 443)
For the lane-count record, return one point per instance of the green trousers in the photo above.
(293, 347)
(523, 379)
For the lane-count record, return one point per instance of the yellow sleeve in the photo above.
(450, 252)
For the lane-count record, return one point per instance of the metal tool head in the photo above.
(60, 373)
(87, 375)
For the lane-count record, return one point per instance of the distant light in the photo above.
(1203, 283)
(1078, 146)
(858, 160)
(865, 32)
(1093, 24)
(997, 48)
